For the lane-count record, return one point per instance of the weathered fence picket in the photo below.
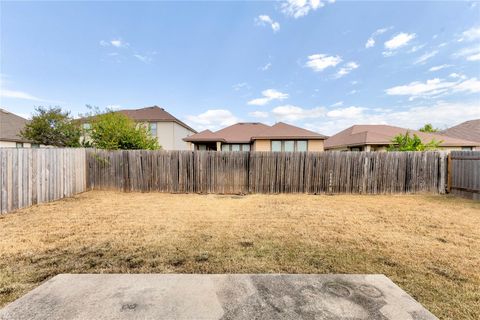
(31, 176)
(267, 172)
(464, 174)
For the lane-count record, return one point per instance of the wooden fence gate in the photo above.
(464, 174)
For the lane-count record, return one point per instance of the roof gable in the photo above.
(245, 132)
(469, 130)
(10, 126)
(153, 114)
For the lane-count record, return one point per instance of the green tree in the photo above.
(428, 128)
(52, 126)
(113, 130)
(405, 142)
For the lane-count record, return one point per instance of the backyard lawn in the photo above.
(428, 245)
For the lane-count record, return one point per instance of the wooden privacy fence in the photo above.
(267, 172)
(31, 176)
(464, 174)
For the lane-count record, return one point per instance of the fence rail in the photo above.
(31, 176)
(267, 172)
(464, 176)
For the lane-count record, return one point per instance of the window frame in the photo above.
(282, 145)
(150, 125)
(228, 147)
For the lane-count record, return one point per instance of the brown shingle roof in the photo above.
(383, 134)
(153, 113)
(245, 132)
(286, 131)
(10, 126)
(468, 130)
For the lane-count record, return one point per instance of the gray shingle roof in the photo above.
(10, 126)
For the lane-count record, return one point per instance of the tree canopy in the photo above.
(52, 126)
(428, 128)
(405, 142)
(113, 131)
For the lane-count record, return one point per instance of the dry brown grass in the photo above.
(429, 245)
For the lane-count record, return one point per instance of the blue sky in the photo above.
(321, 65)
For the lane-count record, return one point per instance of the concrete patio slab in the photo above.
(239, 296)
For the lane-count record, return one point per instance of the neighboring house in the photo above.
(169, 130)
(254, 136)
(10, 127)
(379, 137)
(468, 130)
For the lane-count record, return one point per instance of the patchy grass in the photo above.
(428, 245)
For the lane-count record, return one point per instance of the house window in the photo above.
(202, 147)
(302, 145)
(289, 145)
(19, 144)
(466, 148)
(236, 147)
(153, 129)
(35, 145)
(277, 146)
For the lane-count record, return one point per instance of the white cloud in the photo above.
(440, 67)
(400, 40)
(416, 48)
(258, 114)
(350, 112)
(346, 69)
(474, 57)
(268, 95)
(118, 43)
(371, 41)
(212, 119)
(240, 86)
(440, 114)
(14, 94)
(294, 113)
(435, 87)
(319, 62)
(457, 75)
(263, 20)
(143, 58)
(266, 67)
(471, 34)
(396, 42)
(337, 104)
(300, 8)
(470, 53)
(471, 85)
(426, 56)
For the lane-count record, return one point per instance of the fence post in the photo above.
(449, 173)
(126, 171)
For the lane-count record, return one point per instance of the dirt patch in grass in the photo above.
(428, 245)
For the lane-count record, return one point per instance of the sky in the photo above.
(321, 65)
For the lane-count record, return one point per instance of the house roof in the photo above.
(468, 130)
(10, 126)
(154, 114)
(358, 135)
(245, 132)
